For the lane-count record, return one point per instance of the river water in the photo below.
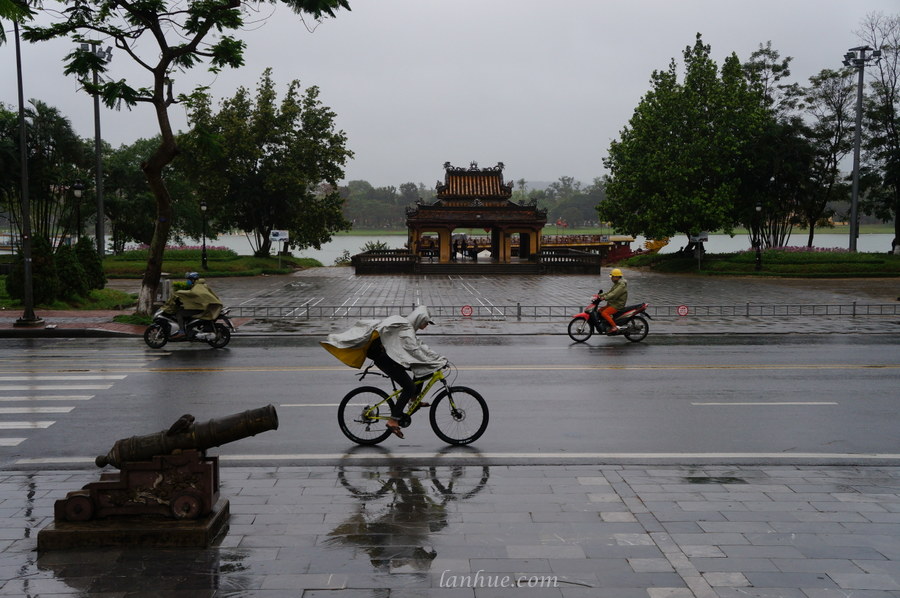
(331, 251)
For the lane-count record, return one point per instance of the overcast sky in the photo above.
(541, 86)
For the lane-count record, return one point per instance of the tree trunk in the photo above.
(812, 234)
(153, 169)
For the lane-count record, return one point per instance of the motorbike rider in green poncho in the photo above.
(197, 300)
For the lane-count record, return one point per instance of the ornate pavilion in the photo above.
(477, 198)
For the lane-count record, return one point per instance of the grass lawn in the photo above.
(220, 262)
(775, 262)
(96, 299)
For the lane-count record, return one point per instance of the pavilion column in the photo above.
(444, 243)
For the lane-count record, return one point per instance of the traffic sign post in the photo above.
(279, 236)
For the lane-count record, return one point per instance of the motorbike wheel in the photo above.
(636, 330)
(223, 336)
(156, 336)
(580, 329)
(357, 419)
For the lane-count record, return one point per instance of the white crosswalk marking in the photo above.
(35, 383)
(29, 387)
(67, 377)
(16, 398)
(30, 409)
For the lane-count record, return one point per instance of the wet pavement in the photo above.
(394, 530)
(391, 529)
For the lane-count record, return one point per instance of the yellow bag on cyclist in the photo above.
(350, 347)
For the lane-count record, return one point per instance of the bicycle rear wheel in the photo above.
(359, 420)
(458, 415)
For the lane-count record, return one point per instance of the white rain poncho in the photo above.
(398, 336)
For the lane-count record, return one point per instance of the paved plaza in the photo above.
(394, 530)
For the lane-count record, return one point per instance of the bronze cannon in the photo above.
(185, 434)
(167, 473)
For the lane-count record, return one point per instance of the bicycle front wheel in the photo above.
(459, 415)
(360, 420)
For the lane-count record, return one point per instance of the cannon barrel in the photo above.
(215, 432)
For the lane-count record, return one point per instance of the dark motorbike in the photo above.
(631, 322)
(217, 333)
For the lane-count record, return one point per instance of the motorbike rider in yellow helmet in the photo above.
(615, 299)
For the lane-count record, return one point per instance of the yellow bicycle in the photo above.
(458, 415)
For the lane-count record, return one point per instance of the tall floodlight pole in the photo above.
(28, 317)
(857, 59)
(106, 56)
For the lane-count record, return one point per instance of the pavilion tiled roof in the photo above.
(473, 183)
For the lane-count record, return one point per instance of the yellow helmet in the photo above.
(616, 272)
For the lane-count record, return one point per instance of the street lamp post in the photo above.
(106, 55)
(28, 316)
(857, 59)
(78, 191)
(203, 250)
(757, 242)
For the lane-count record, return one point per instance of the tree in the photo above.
(14, 11)
(828, 105)
(54, 155)
(261, 166)
(163, 37)
(45, 277)
(881, 176)
(130, 206)
(676, 166)
(766, 70)
(9, 154)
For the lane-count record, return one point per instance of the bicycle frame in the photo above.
(458, 415)
(413, 406)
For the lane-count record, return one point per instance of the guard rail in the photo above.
(541, 312)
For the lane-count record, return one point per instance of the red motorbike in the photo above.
(631, 322)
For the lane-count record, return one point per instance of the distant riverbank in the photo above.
(329, 252)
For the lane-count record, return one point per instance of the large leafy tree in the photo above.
(677, 165)
(262, 165)
(163, 37)
(54, 155)
(827, 104)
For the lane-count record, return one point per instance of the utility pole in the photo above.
(857, 59)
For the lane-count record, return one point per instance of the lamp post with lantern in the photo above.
(203, 246)
(78, 191)
(757, 234)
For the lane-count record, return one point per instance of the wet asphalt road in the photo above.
(671, 399)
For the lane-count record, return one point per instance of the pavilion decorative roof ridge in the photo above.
(473, 182)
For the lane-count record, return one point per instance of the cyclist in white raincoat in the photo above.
(394, 347)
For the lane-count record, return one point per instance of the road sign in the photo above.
(682, 310)
(278, 236)
(466, 311)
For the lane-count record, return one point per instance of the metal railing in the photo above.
(550, 312)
